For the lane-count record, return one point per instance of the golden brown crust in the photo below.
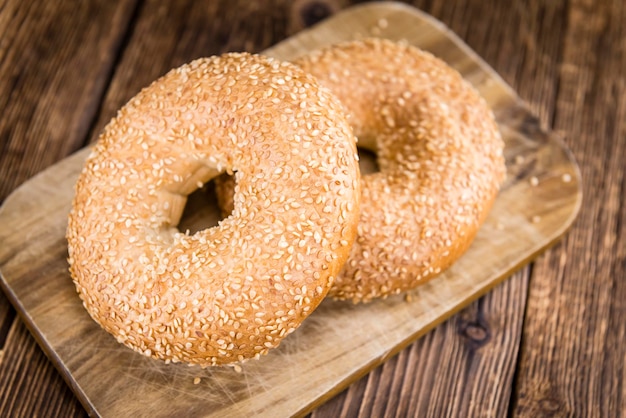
(231, 292)
(440, 157)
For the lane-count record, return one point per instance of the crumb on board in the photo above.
(519, 159)
(566, 178)
(382, 23)
(196, 380)
(237, 368)
(534, 181)
(408, 297)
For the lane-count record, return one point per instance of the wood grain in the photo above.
(445, 372)
(39, 101)
(525, 219)
(27, 394)
(55, 63)
(502, 33)
(169, 34)
(525, 41)
(572, 356)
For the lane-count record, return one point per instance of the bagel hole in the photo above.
(368, 162)
(202, 210)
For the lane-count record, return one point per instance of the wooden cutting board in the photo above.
(339, 342)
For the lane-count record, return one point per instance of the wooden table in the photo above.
(548, 341)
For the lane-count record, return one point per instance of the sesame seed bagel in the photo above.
(440, 157)
(231, 292)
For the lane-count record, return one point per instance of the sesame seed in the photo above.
(188, 297)
(449, 174)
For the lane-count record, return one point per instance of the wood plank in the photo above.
(75, 341)
(452, 371)
(573, 354)
(7, 316)
(55, 62)
(42, 391)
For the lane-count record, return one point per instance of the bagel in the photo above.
(231, 292)
(440, 156)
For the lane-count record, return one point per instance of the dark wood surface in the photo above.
(548, 341)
